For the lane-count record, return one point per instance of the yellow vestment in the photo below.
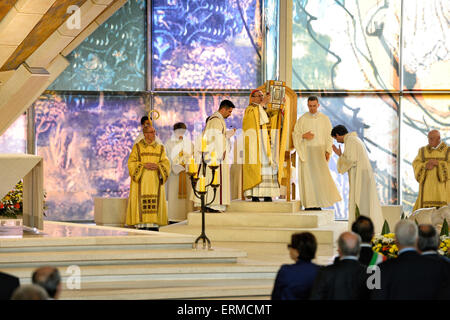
(434, 184)
(147, 200)
(265, 136)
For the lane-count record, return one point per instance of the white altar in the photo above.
(30, 168)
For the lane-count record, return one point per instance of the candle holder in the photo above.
(201, 194)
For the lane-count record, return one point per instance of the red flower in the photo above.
(1, 206)
(17, 206)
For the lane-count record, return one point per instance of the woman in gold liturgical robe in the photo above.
(149, 169)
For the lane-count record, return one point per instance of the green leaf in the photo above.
(444, 230)
(357, 214)
(385, 229)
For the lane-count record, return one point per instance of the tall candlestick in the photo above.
(202, 185)
(216, 178)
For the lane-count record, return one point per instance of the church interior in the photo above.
(76, 76)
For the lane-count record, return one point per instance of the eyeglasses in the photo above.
(258, 96)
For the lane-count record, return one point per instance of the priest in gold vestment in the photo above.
(261, 149)
(431, 170)
(149, 169)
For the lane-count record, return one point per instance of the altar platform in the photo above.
(119, 263)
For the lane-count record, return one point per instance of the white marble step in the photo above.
(110, 257)
(178, 289)
(323, 234)
(275, 206)
(301, 219)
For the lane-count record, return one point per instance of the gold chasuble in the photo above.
(269, 136)
(434, 184)
(147, 201)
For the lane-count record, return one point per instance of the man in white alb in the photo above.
(312, 141)
(179, 150)
(363, 190)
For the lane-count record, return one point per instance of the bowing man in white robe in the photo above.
(217, 137)
(179, 150)
(312, 141)
(363, 190)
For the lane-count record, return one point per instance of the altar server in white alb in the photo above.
(179, 150)
(217, 139)
(312, 141)
(363, 190)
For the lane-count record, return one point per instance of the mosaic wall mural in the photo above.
(113, 58)
(213, 44)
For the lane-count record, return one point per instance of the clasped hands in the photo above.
(150, 166)
(431, 164)
(309, 136)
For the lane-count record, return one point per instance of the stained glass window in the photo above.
(213, 44)
(348, 45)
(113, 58)
(421, 113)
(426, 45)
(14, 139)
(85, 141)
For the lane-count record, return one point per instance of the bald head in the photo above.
(149, 134)
(434, 138)
(349, 244)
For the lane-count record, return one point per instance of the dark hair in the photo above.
(364, 227)
(306, 245)
(226, 104)
(143, 119)
(428, 238)
(179, 125)
(313, 98)
(49, 283)
(340, 130)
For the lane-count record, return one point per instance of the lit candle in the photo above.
(203, 144)
(192, 165)
(213, 158)
(216, 178)
(201, 186)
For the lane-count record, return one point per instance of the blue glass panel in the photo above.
(85, 141)
(199, 44)
(272, 23)
(113, 58)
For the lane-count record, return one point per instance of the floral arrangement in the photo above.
(444, 247)
(385, 244)
(12, 204)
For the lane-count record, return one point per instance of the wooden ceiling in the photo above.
(49, 23)
(5, 6)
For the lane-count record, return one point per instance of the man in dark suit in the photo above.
(428, 243)
(294, 281)
(346, 279)
(411, 276)
(8, 284)
(363, 226)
